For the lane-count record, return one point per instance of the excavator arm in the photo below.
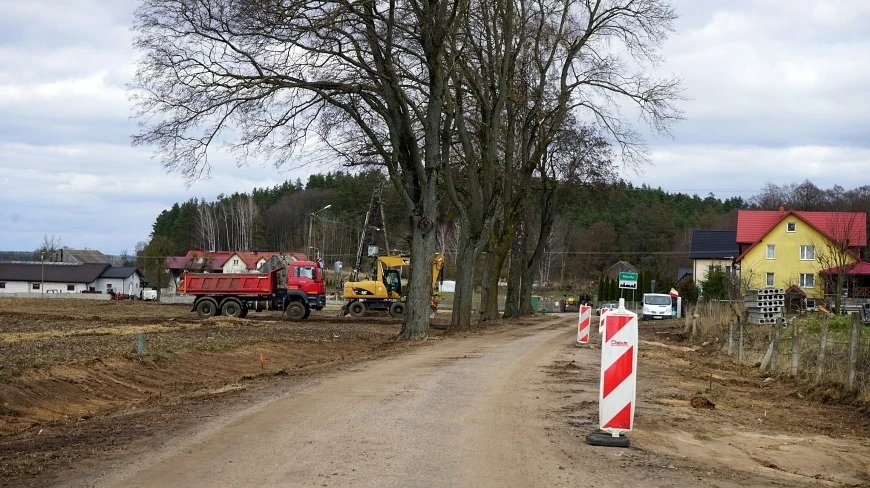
(437, 267)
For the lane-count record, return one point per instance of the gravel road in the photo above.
(508, 408)
(455, 414)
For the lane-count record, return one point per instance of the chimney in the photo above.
(781, 210)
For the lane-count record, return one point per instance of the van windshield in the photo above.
(657, 300)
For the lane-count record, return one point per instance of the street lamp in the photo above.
(311, 225)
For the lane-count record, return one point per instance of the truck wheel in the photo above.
(206, 308)
(295, 311)
(231, 308)
(244, 311)
(307, 313)
(397, 310)
(357, 309)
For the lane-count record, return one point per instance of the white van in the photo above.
(657, 306)
(149, 294)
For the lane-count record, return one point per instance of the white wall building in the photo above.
(39, 278)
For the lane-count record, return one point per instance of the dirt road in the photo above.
(510, 408)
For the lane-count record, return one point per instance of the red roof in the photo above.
(752, 225)
(859, 268)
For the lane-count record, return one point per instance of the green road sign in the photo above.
(628, 281)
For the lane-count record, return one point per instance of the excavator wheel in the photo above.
(397, 310)
(357, 309)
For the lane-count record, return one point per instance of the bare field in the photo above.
(72, 384)
(74, 392)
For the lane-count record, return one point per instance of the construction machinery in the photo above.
(295, 287)
(383, 290)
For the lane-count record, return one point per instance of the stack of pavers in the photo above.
(765, 306)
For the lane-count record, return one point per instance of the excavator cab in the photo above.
(393, 281)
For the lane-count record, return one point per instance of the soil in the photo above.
(76, 399)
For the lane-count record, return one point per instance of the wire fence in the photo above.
(822, 349)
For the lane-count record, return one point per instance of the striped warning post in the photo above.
(601, 320)
(583, 324)
(618, 372)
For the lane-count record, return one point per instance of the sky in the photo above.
(775, 91)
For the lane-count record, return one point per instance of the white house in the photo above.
(38, 278)
(712, 248)
(116, 279)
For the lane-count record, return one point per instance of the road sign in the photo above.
(628, 281)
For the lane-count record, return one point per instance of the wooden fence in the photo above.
(822, 349)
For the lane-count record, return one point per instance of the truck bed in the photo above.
(227, 284)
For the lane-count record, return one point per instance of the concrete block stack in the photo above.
(766, 305)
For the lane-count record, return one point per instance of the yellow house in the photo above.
(787, 249)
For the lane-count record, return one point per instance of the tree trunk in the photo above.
(462, 298)
(424, 244)
(512, 307)
(526, 288)
(498, 251)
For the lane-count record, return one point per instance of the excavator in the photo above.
(383, 288)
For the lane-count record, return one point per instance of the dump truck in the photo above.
(383, 288)
(294, 287)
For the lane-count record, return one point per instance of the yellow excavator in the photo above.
(383, 288)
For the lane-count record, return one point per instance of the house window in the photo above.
(808, 280)
(808, 253)
(770, 280)
(109, 287)
(70, 287)
(791, 227)
(2, 284)
(35, 286)
(811, 304)
(771, 251)
(235, 262)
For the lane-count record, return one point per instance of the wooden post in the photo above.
(774, 352)
(694, 325)
(853, 349)
(731, 339)
(823, 345)
(795, 348)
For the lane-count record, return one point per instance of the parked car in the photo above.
(608, 305)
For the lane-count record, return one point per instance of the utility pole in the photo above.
(311, 227)
(42, 277)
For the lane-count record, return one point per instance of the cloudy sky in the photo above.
(777, 91)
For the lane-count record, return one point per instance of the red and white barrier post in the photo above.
(585, 320)
(618, 386)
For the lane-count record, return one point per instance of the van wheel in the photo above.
(357, 309)
(206, 308)
(296, 311)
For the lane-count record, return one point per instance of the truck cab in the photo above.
(307, 277)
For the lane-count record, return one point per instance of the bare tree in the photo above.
(836, 252)
(366, 79)
(566, 64)
(47, 251)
